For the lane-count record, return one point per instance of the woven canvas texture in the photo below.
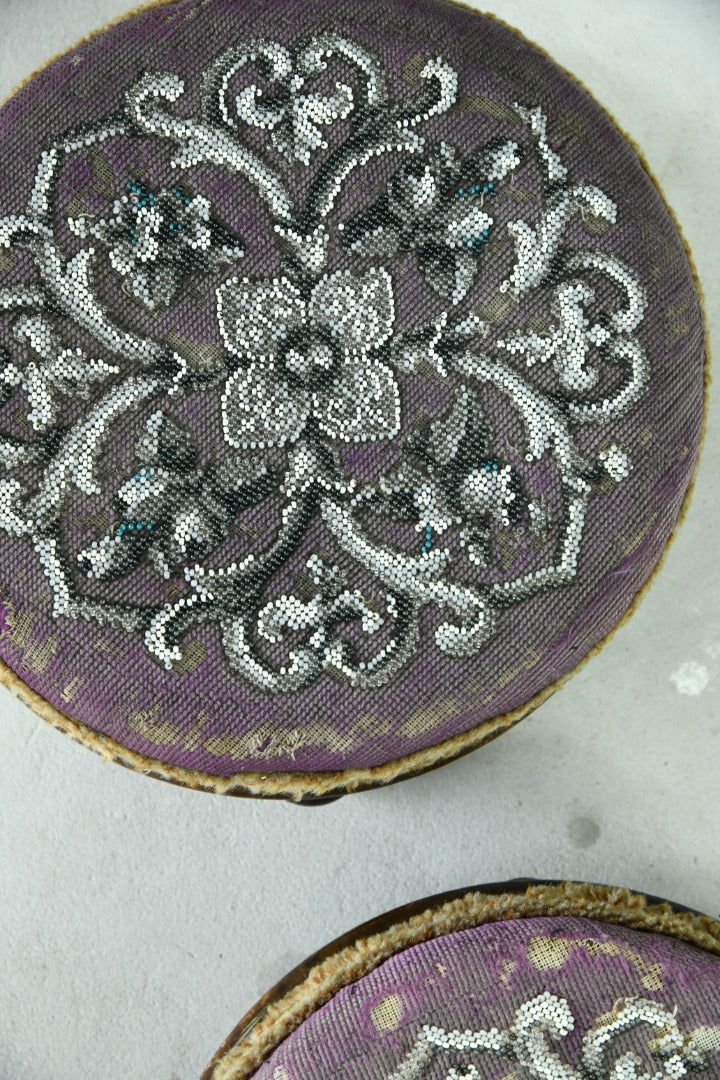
(535, 999)
(351, 380)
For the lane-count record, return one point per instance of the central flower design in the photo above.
(313, 359)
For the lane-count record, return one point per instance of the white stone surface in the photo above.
(138, 921)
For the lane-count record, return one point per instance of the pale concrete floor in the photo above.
(138, 921)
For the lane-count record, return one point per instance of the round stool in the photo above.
(539, 981)
(351, 386)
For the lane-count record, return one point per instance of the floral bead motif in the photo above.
(429, 208)
(309, 362)
(171, 510)
(156, 240)
(292, 113)
(53, 371)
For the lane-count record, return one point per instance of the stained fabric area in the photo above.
(351, 381)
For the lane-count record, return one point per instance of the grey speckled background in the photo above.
(138, 921)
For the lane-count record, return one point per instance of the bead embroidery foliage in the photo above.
(318, 365)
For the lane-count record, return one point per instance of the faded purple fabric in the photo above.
(476, 980)
(209, 717)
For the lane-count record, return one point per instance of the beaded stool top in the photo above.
(546, 997)
(537, 999)
(351, 382)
